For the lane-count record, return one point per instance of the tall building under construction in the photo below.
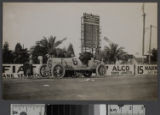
(90, 33)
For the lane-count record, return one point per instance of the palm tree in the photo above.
(45, 46)
(7, 54)
(113, 52)
(50, 44)
(70, 51)
(20, 54)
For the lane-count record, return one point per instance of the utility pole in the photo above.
(143, 37)
(150, 44)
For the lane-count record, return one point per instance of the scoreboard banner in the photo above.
(120, 69)
(17, 70)
(146, 70)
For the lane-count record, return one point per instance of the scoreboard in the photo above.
(90, 31)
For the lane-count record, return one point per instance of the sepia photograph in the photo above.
(64, 109)
(124, 109)
(80, 51)
(58, 109)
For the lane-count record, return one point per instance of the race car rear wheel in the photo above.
(87, 74)
(58, 71)
(101, 70)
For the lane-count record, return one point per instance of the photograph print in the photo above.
(80, 51)
(58, 109)
(64, 109)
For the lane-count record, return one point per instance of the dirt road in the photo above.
(107, 88)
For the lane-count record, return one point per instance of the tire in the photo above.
(58, 71)
(87, 74)
(101, 70)
(44, 72)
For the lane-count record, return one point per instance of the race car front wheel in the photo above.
(100, 70)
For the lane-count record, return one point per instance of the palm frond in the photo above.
(59, 42)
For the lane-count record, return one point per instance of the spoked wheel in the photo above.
(87, 74)
(101, 70)
(58, 71)
(44, 71)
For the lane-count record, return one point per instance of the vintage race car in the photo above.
(59, 67)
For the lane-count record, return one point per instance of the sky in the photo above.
(122, 23)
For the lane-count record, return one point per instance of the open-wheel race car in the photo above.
(59, 67)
